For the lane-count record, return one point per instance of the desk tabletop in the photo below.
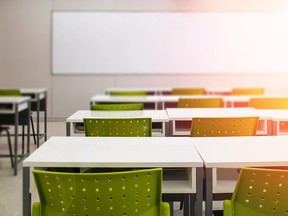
(156, 115)
(32, 90)
(115, 152)
(109, 98)
(274, 114)
(189, 113)
(13, 99)
(236, 152)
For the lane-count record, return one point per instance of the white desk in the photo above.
(150, 101)
(116, 152)
(278, 119)
(181, 118)
(16, 111)
(160, 121)
(38, 103)
(171, 101)
(168, 91)
(237, 152)
(149, 91)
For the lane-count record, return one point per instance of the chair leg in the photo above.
(10, 147)
(33, 130)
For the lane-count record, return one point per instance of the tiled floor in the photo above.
(11, 186)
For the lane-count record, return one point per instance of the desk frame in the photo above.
(190, 188)
(18, 106)
(38, 104)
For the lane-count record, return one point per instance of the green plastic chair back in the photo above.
(259, 192)
(247, 91)
(188, 91)
(210, 127)
(117, 107)
(128, 93)
(10, 92)
(136, 192)
(269, 103)
(123, 127)
(199, 102)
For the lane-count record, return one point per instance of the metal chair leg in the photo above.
(33, 130)
(9, 145)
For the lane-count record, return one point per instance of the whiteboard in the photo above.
(169, 42)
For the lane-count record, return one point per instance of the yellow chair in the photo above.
(269, 103)
(232, 126)
(199, 102)
(259, 192)
(188, 91)
(247, 91)
(137, 193)
(128, 93)
(117, 107)
(123, 127)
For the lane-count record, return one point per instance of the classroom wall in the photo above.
(25, 50)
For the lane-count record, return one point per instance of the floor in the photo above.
(11, 186)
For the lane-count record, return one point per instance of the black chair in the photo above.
(6, 129)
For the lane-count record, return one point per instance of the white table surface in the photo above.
(115, 152)
(236, 152)
(189, 113)
(155, 115)
(109, 98)
(274, 114)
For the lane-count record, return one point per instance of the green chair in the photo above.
(188, 91)
(199, 102)
(259, 192)
(247, 91)
(117, 107)
(214, 127)
(16, 92)
(131, 127)
(232, 126)
(128, 93)
(269, 103)
(137, 192)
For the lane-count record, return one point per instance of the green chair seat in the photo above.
(117, 107)
(137, 192)
(259, 192)
(131, 127)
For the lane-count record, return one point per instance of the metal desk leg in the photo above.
(68, 132)
(199, 190)
(208, 191)
(16, 123)
(45, 116)
(38, 119)
(26, 193)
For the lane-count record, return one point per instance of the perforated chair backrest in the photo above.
(261, 192)
(128, 93)
(199, 102)
(123, 127)
(114, 193)
(10, 92)
(210, 127)
(117, 107)
(188, 91)
(247, 91)
(269, 103)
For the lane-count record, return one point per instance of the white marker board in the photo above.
(169, 42)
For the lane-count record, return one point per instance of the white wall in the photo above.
(25, 50)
